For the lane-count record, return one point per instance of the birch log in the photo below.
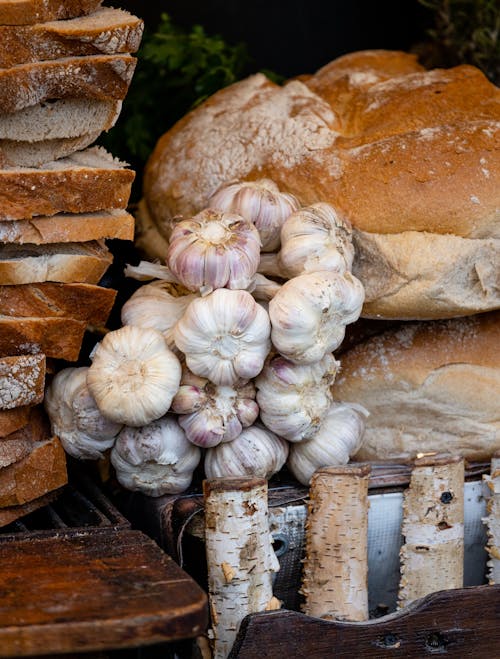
(335, 574)
(492, 521)
(432, 554)
(240, 557)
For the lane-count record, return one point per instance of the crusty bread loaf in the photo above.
(14, 450)
(42, 471)
(84, 302)
(62, 262)
(22, 380)
(60, 338)
(429, 387)
(19, 444)
(23, 12)
(10, 514)
(106, 30)
(103, 77)
(87, 181)
(64, 227)
(394, 148)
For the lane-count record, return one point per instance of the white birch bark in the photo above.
(432, 554)
(240, 557)
(492, 521)
(335, 574)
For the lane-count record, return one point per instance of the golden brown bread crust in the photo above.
(106, 30)
(22, 380)
(60, 338)
(42, 471)
(24, 12)
(85, 302)
(395, 148)
(429, 386)
(13, 419)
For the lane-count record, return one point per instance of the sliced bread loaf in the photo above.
(105, 77)
(24, 12)
(13, 419)
(63, 262)
(85, 302)
(107, 31)
(60, 338)
(87, 181)
(64, 228)
(22, 380)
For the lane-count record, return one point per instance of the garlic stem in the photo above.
(269, 265)
(147, 270)
(263, 289)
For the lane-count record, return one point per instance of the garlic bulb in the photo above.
(338, 438)
(256, 452)
(224, 336)
(309, 314)
(75, 418)
(211, 414)
(294, 399)
(316, 238)
(157, 305)
(259, 201)
(134, 375)
(214, 249)
(155, 459)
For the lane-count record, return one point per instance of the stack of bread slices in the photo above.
(65, 68)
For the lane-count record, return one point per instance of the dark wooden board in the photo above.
(93, 590)
(460, 623)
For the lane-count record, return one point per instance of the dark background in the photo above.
(297, 36)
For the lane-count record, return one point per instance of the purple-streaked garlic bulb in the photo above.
(157, 305)
(262, 203)
(255, 452)
(294, 399)
(224, 336)
(214, 249)
(75, 418)
(155, 459)
(339, 437)
(211, 414)
(309, 314)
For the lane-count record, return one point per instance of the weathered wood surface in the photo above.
(461, 623)
(93, 590)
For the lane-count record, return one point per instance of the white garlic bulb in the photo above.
(157, 305)
(262, 203)
(210, 414)
(224, 336)
(75, 418)
(310, 312)
(316, 238)
(155, 459)
(339, 437)
(134, 375)
(294, 399)
(256, 452)
(214, 249)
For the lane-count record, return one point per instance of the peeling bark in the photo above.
(240, 558)
(432, 554)
(492, 521)
(335, 575)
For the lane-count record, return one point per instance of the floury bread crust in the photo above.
(396, 149)
(429, 387)
(25, 12)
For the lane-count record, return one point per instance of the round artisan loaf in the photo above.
(429, 387)
(410, 157)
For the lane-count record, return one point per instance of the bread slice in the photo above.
(64, 228)
(63, 262)
(107, 31)
(14, 419)
(22, 380)
(12, 513)
(54, 129)
(24, 12)
(60, 338)
(42, 471)
(92, 76)
(19, 443)
(87, 181)
(85, 302)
